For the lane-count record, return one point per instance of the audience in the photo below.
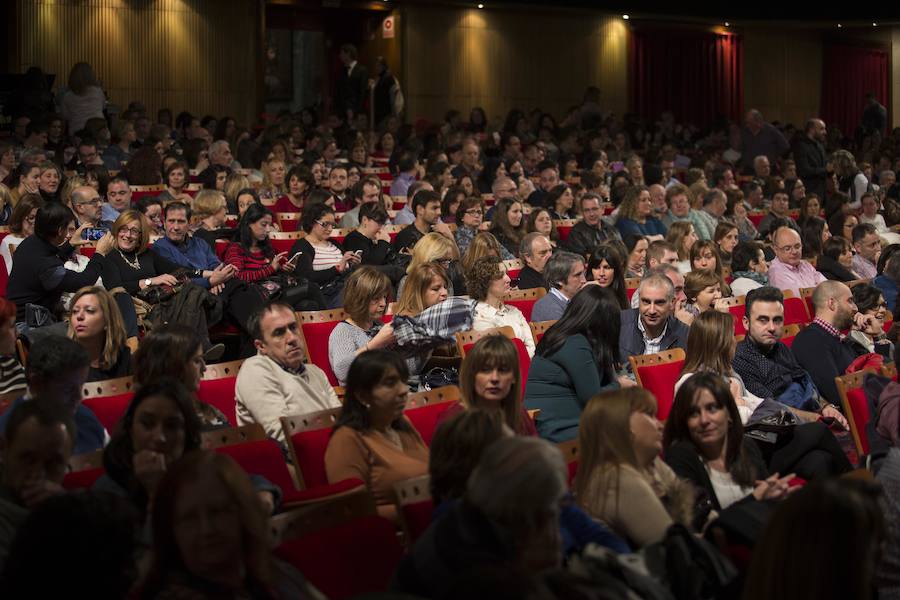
(636, 215)
(749, 269)
(591, 231)
(636, 250)
(888, 279)
(836, 260)
(682, 237)
(577, 358)
(321, 260)
(622, 481)
(469, 221)
(867, 244)
(372, 439)
(726, 238)
(276, 382)
(21, 226)
(12, 375)
(703, 292)
(540, 221)
(564, 275)
(870, 334)
(369, 240)
(605, 268)
(509, 226)
(488, 283)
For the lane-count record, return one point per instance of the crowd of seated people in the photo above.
(630, 245)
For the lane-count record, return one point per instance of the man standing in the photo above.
(565, 275)
(874, 117)
(789, 271)
(809, 154)
(118, 199)
(652, 326)
(276, 383)
(867, 244)
(352, 84)
(760, 138)
(821, 348)
(535, 250)
(590, 232)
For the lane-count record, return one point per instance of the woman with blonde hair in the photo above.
(65, 194)
(622, 480)
(6, 204)
(483, 244)
(51, 180)
(490, 380)
(96, 324)
(681, 235)
(234, 183)
(426, 285)
(433, 248)
(273, 183)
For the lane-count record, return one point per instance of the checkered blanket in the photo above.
(434, 326)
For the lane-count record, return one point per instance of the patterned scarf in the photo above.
(759, 278)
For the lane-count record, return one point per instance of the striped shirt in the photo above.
(326, 257)
(250, 266)
(12, 376)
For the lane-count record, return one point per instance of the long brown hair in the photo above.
(489, 352)
(114, 336)
(677, 232)
(604, 441)
(417, 283)
(710, 344)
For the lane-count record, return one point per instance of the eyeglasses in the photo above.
(130, 231)
(325, 224)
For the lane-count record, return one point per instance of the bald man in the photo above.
(821, 349)
(789, 271)
(87, 206)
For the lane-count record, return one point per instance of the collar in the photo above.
(829, 328)
(559, 294)
(656, 340)
(794, 268)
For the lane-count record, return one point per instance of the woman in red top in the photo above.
(300, 182)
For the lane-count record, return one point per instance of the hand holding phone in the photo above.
(293, 260)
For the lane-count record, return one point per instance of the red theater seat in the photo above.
(658, 373)
(108, 400)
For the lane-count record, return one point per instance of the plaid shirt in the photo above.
(829, 328)
(434, 326)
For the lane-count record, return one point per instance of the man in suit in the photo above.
(652, 326)
(352, 85)
(565, 275)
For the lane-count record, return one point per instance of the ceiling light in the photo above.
(626, 17)
(727, 24)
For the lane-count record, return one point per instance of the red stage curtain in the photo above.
(698, 76)
(849, 73)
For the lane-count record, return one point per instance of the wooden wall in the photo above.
(195, 55)
(461, 58)
(783, 73)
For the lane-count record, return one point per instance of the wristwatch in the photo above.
(148, 282)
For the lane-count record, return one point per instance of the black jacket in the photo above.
(631, 340)
(305, 263)
(824, 357)
(40, 277)
(833, 270)
(373, 253)
(685, 461)
(810, 158)
(583, 238)
(530, 279)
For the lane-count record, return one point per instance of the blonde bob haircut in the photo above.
(206, 203)
(115, 334)
(432, 247)
(411, 301)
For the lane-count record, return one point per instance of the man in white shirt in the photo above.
(275, 383)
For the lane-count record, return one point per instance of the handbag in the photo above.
(439, 377)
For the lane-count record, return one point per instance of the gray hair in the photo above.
(759, 159)
(517, 482)
(527, 241)
(500, 181)
(712, 195)
(557, 269)
(217, 147)
(657, 279)
(885, 172)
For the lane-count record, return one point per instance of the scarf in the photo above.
(759, 278)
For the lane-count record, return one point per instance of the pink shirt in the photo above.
(785, 277)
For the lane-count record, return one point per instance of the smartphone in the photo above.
(294, 258)
(357, 252)
(93, 233)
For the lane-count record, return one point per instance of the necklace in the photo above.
(136, 265)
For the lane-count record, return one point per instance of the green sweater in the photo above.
(560, 386)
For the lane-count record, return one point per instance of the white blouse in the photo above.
(487, 317)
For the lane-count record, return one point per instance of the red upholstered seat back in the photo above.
(309, 449)
(80, 480)
(109, 409)
(4, 279)
(795, 311)
(417, 517)
(262, 457)
(788, 341)
(424, 418)
(856, 398)
(351, 558)
(564, 231)
(737, 312)
(524, 306)
(660, 380)
(316, 335)
(280, 245)
(220, 393)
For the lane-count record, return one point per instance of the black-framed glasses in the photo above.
(325, 224)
